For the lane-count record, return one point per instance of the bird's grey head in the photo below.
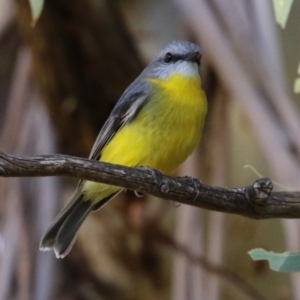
(178, 57)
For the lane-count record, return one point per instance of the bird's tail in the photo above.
(61, 235)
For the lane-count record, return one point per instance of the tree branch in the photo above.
(256, 201)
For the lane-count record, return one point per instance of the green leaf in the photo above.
(297, 86)
(36, 7)
(280, 262)
(282, 9)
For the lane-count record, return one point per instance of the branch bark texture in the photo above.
(256, 201)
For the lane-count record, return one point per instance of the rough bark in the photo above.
(83, 59)
(255, 201)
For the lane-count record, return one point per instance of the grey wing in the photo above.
(133, 99)
(109, 129)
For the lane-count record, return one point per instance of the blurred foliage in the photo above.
(280, 262)
(282, 9)
(36, 9)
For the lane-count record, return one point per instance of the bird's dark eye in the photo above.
(168, 57)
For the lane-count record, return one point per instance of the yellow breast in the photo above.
(167, 128)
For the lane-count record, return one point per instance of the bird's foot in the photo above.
(196, 185)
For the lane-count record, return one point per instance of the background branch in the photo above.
(256, 201)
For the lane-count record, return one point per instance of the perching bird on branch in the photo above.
(157, 123)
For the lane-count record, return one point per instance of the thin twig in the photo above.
(218, 270)
(189, 281)
(7, 15)
(11, 232)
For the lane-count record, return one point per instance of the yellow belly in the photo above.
(164, 133)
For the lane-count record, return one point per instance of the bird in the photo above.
(156, 123)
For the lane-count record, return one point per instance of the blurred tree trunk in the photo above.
(83, 59)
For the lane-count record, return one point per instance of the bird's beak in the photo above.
(193, 57)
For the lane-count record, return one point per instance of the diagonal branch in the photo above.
(225, 274)
(256, 201)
